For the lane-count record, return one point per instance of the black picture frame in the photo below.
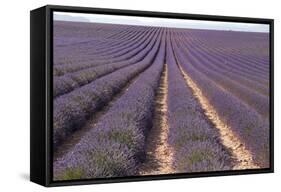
(41, 58)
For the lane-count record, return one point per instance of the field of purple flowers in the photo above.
(107, 79)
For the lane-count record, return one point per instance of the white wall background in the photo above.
(14, 97)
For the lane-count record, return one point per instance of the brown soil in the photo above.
(159, 154)
(242, 157)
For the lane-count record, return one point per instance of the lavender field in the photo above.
(138, 100)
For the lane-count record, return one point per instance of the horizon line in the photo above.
(161, 22)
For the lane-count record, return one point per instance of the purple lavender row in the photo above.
(257, 101)
(107, 44)
(72, 110)
(221, 43)
(221, 47)
(115, 146)
(234, 62)
(195, 142)
(250, 128)
(230, 69)
(113, 50)
(94, 48)
(135, 42)
(255, 95)
(85, 49)
(135, 29)
(90, 31)
(241, 42)
(211, 50)
(73, 53)
(118, 36)
(223, 51)
(68, 82)
(91, 62)
(88, 60)
(254, 82)
(251, 48)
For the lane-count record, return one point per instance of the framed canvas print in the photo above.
(122, 95)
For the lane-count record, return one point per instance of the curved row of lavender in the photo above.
(246, 122)
(254, 75)
(195, 142)
(230, 68)
(229, 82)
(72, 80)
(94, 62)
(115, 146)
(243, 68)
(252, 48)
(85, 58)
(73, 109)
(68, 35)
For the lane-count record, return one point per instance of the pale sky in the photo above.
(160, 22)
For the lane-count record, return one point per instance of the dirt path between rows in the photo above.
(74, 138)
(159, 154)
(242, 157)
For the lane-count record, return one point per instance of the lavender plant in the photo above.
(195, 142)
(70, 81)
(115, 146)
(251, 129)
(73, 109)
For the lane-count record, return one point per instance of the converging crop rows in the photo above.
(139, 100)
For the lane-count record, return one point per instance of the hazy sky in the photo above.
(160, 22)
